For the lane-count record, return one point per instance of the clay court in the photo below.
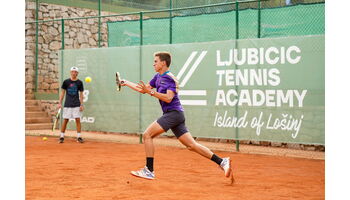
(101, 170)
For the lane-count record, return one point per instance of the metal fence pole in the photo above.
(99, 23)
(171, 22)
(259, 19)
(62, 34)
(140, 95)
(62, 54)
(237, 37)
(141, 28)
(36, 43)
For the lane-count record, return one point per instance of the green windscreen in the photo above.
(304, 19)
(249, 89)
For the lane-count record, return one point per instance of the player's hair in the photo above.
(164, 56)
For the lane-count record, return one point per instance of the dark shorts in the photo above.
(174, 120)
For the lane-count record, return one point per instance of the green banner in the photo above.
(249, 89)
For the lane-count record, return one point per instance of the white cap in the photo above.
(74, 69)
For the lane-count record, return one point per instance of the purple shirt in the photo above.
(164, 82)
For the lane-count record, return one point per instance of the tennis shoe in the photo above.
(80, 140)
(226, 166)
(61, 140)
(144, 173)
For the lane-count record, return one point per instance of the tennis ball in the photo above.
(44, 138)
(88, 79)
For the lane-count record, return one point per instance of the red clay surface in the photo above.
(101, 170)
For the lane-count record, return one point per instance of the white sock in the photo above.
(62, 135)
(79, 135)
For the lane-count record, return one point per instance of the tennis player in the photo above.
(173, 117)
(73, 89)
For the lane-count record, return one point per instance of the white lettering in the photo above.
(268, 57)
(288, 55)
(220, 98)
(220, 73)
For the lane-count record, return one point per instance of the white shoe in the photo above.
(226, 166)
(144, 173)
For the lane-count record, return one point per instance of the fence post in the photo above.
(62, 32)
(259, 19)
(141, 28)
(36, 43)
(99, 23)
(171, 22)
(237, 37)
(62, 54)
(140, 95)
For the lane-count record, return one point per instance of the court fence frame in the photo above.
(141, 16)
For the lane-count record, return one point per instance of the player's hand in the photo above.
(59, 106)
(143, 87)
(123, 82)
(81, 108)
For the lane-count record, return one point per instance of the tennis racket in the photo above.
(118, 81)
(56, 119)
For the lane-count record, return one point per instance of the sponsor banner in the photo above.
(253, 89)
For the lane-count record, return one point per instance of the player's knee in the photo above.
(191, 146)
(146, 136)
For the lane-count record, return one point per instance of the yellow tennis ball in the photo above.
(44, 138)
(88, 79)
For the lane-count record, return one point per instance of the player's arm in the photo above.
(81, 98)
(63, 92)
(134, 86)
(167, 97)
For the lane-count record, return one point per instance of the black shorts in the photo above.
(174, 120)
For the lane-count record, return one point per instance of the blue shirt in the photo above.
(72, 92)
(164, 82)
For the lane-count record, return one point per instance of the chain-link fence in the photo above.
(122, 6)
(53, 25)
(59, 27)
(94, 23)
(225, 21)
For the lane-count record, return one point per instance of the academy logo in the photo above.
(184, 75)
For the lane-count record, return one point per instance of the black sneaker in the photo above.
(61, 140)
(80, 140)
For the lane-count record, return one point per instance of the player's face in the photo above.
(158, 64)
(73, 74)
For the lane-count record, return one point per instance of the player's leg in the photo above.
(63, 130)
(66, 115)
(187, 140)
(78, 124)
(64, 125)
(181, 132)
(77, 115)
(152, 131)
